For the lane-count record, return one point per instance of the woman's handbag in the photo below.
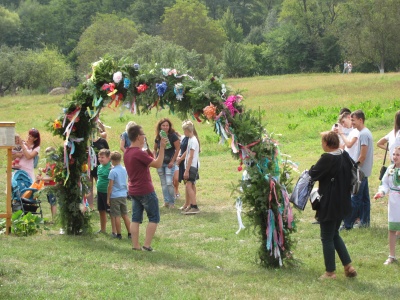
(383, 168)
(193, 174)
(315, 199)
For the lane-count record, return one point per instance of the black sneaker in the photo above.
(129, 236)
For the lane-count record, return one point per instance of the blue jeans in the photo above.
(331, 242)
(148, 203)
(361, 207)
(166, 175)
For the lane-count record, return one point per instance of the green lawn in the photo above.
(201, 257)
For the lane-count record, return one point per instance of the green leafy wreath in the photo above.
(263, 191)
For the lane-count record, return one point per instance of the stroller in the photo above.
(23, 195)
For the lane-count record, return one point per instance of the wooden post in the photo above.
(7, 141)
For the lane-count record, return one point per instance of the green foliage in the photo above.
(188, 19)
(148, 16)
(100, 38)
(25, 225)
(369, 32)
(152, 52)
(238, 60)
(233, 32)
(9, 26)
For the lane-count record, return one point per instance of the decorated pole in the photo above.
(263, 191)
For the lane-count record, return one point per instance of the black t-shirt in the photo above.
(169, 153)
(97, 146)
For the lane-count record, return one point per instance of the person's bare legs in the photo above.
(127, 223)
(113, 225)
(103, 220)
(187, 199)
(150, 231)
(117, 222)
(191, 193)
(392, 243)
(53, 209)
(135, 235)
(176, 182)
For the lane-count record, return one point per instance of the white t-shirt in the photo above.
(354, 151)
(193, 143)
(346, 131)
(394, 141)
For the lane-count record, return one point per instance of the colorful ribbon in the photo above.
(238, 213)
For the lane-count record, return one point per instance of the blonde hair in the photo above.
(188, 125)
(129, 125)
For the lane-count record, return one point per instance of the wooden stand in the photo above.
(7, 141)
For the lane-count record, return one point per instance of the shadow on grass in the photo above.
(103, 245)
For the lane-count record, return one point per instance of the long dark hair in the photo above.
(158, 128)
(397, 122)
(35, 133)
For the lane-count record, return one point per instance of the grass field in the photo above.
(201, 257)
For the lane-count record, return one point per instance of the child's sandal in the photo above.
(390, 260)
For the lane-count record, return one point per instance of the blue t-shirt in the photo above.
(119, 176)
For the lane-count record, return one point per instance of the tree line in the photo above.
(47, 43)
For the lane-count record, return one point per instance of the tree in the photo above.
(312, 20)
(107, 34)
(44, 69)
(9, 26)
(151, 50)
(238, 60)
(187, 24)
(233, 32)
(35, 30)
(369, 31)
(147, 14)
(9, 64)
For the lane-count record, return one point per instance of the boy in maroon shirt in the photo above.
(140, 187)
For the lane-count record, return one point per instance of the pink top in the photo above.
(27, 164)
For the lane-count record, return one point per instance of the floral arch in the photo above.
(113, 83)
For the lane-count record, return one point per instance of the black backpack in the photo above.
(357, 175)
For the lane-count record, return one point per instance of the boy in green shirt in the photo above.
(102, 186)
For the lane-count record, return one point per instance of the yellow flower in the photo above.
(57, 124)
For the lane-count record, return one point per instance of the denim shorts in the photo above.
(149, 203)
(51, 199)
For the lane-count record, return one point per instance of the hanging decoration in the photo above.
(178, 90)
(210, 112)
(263, 191)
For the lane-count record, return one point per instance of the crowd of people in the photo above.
(175, 157)
(350, 143)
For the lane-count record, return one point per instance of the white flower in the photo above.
(117, 77)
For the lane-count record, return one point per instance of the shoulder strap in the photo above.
(387, 148)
